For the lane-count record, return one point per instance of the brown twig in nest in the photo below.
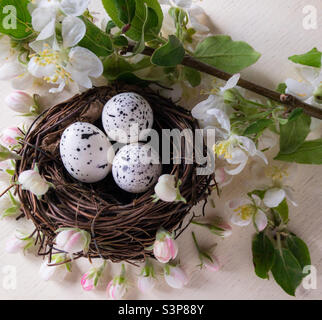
(122, 225)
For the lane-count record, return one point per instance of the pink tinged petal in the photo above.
(46, 272)
(260, 220)
(73, 31)
(87, 284)
(301, 90)
(14, 245)
(146, 284)
(273, 197)
(172, 247)
(161, 251)
(212, 266)
(116, 291)
(63, 237)
(19, 101)
(238, 221)
(11, 70)
(222, 178)
(75, 244)
(177, 278)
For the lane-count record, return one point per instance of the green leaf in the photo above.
(192, 76)
(225, 54)
(299, 249)
(96, 40)
(287, 271)
(170, 54)
(263, 255)
(120, 41)
(126, 10)
(258, 126)
(11, 11)
(281, 88)
(295, 113)
(137, 22)
(310, 152)
(259, 193)
(282, 210)
(311, 58)
(110, 25)
(294, 133)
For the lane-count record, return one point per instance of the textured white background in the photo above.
(275, 29)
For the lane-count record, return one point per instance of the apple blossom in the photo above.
(174, 276)
(243, 212)
(90, 279)
(146, 280)
(10, 137)
(47, 270)
(217, 227)
(164, 247)
(9, 205)
(32, 181)
(6, 154)
(167, 190)
(7, 169)
(72, 240)
(19, 101)
(116, 288)
(20, 240)
(274, 196)
(222, 178)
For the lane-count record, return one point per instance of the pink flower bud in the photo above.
(18, 242)
(165, 247)
(47, 270)
(19, 101)
(175, 277)
(31, 180)
(10, 136)
(146, 284)
(116, 290)
(73, 240)
(87, 282)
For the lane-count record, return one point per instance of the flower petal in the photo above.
(221, 118)
(301, 90)
(247, 144)
(200, 110)
(231, 83)
(74, 7)
(273, 197)
(260, 220)
(73, 31)
(289, 195)
(42, 17)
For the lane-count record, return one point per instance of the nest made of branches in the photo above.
(122, 225)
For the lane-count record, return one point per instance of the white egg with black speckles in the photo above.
(84, 150)
(136, 168)
(127, 118)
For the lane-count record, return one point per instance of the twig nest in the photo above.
(122, 224)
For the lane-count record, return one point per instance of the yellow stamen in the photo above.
(246, 211)
(276, 173)
(223, 149)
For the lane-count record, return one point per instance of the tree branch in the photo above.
(285, 99)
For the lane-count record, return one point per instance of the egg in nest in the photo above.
(86, 152)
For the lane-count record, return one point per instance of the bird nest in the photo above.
(122, 225)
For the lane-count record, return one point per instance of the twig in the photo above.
(285, 99)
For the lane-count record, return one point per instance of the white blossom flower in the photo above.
(32, 181)
(48, 270)
(73, 240)
(6, 172)
(9, 205)
(20, 101)
(46, 13)
(167, 190)
(308, 89)
(165, 247)
(20, 240)
(117, 288)
(175, 277)
(10, 137)
(146, 280)
(243, 211)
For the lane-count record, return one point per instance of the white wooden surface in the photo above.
(275, 29)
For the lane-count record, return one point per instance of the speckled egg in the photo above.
(84, 150)
(136, 168)
(127, 118)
